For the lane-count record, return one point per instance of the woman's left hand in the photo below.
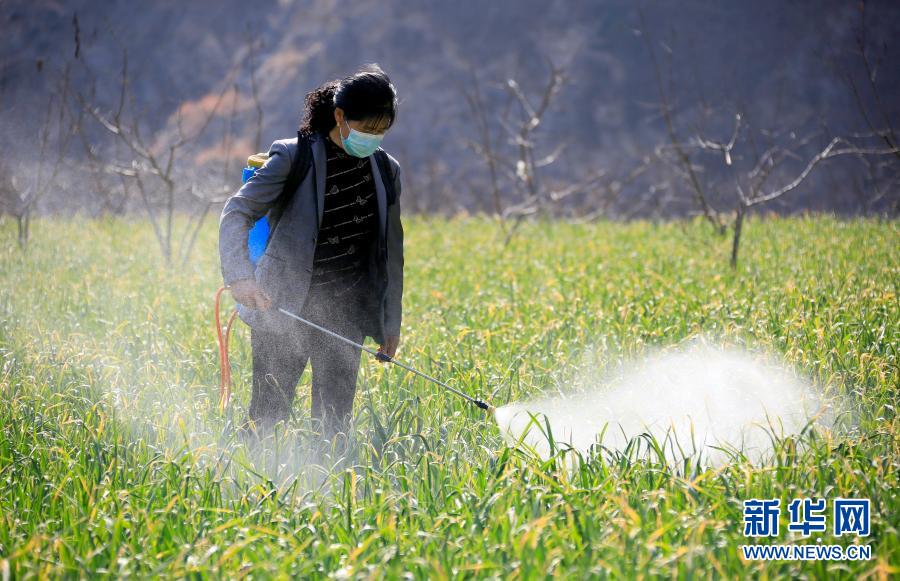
(390, 346)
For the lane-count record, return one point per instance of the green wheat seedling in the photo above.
(115, 459)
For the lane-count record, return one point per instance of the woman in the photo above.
(335, 254)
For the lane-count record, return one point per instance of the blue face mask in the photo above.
(358, 143)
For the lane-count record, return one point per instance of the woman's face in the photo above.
(373, 126)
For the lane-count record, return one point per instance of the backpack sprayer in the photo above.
(256, 241)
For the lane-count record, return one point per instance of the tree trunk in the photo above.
(24, 222)
(736, 242)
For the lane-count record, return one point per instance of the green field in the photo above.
(114, 457)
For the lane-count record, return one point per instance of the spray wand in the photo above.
(225, 385)
(388, 359)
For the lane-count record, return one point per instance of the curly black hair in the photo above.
(366, 94)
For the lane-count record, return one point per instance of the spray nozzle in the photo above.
(484, 405)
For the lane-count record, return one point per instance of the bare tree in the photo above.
(883, 173)
(21, 190)
(515, 168)
(685, 166)
(752, 186)
(484, 145)
(739, 164)
(753, 193)
(521, 134)
(151, 164)
(196, 223)
(103, 181)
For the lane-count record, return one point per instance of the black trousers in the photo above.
(279, 360)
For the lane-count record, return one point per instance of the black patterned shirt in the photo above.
(349, 221)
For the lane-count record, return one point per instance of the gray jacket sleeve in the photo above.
(248, 205)
(394, 297)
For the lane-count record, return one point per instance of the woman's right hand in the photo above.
(249, 294)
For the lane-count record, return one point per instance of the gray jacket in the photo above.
(284, 270)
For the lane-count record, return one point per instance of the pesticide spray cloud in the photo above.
(696, 401)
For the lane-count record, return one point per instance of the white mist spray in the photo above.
(696, 401)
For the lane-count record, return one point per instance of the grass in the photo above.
(115, 460)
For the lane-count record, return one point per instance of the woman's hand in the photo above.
(390, 346)
(249, 294)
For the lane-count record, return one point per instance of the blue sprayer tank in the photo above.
(259, 234)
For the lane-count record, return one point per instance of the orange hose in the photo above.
(224, 363)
